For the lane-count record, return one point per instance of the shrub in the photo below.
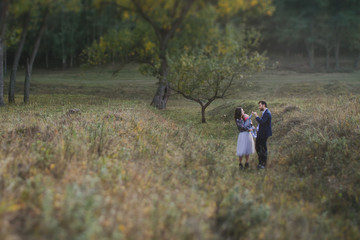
(238, 212)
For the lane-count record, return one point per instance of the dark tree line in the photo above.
(53, 33)
(324, 26)
(320, 27)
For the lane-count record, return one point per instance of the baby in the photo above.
(249, 125)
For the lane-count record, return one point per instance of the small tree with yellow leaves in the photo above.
(205, 77)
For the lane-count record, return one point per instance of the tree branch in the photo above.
(228, 86)
(147, 18)
(176, 4)
(187, 96)
(125, 8)
(4, 10)
(39, 36)
(176, 23)
(122, 7)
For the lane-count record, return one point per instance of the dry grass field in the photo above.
(89, 158)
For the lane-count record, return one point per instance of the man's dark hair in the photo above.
(263, 103)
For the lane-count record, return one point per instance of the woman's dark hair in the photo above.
(238, 111)
(263, 103)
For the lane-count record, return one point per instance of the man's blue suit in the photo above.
(265, 125)
(262, 136)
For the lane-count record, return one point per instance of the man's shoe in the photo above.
(260, 166)
(246, 165)
(241, 167)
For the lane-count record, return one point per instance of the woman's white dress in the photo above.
(245, 144)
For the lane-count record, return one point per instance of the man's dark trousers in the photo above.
(261, 150)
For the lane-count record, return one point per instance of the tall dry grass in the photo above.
(110, 171)
(120, 170)
(321, 144)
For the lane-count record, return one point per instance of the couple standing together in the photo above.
(245, 143)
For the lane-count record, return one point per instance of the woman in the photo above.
(245, 143)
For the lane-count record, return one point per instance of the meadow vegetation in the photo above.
(119, 169)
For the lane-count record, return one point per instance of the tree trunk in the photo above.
(15, 65)
(47, 58)
(2, 103)
(27, 81)
(63, 62)
(4, 7)
(337, 54)
(63, 39)
(327, 60)
(46, 50)
(162, 93)
(357, 61)
(5, 59)
(203, 119)
(30, 62)
(311, 54)
(161, 97)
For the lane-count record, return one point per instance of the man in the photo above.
(263, 133)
